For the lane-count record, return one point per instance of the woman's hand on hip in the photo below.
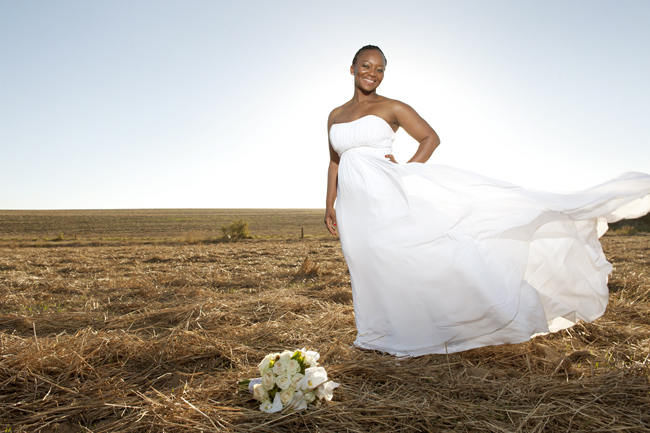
(390, 157)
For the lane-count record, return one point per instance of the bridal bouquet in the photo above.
(290, 380)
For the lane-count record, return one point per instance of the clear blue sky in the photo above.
(153, 103)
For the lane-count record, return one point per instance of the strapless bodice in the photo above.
(367, 132)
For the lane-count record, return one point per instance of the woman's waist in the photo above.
(370, 150)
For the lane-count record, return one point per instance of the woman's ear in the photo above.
(352, 70)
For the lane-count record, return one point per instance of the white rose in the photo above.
(326, 390)
(296, 378)
(280, 366)
(285, 356)
(283, 381)
(293, 367)
(264, 364)
(266, 406)
(269, 407)
(259, 393)
(287, 395)
(268, 380)
(299, 402)
(310, 396)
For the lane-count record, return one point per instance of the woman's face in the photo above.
(369, 70)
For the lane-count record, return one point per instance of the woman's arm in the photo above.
(332, 178)
(419, 129)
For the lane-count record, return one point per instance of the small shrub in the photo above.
(236, 231)
(625, 230)
(631, 226)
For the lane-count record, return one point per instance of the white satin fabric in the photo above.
(443, 260)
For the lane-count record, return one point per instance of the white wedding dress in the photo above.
(443, 260)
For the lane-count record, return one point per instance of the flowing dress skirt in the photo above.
(443, 260)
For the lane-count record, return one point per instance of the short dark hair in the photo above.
(369, 47)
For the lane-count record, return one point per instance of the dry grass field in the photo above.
(150, 226)
(142, 321)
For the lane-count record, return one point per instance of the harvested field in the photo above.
(151, 226)
(150, 333)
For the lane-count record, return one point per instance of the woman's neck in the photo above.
(361, 97)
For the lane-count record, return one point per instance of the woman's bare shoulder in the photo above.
(337, 110)
(394, 110)
(397, 106)
(335, 113)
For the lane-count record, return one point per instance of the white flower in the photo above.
(314, 376)
(311, 357)
(281, 365)
(310, 396)
(287, 395)
(269, 407)
(283, 381)
(266, 406)
(296, 390)
(259, 393)
(293, 367)
(326, 390)
(268, 380)
(266, 361)
(285, 356)
(296, 378)
(300, 404)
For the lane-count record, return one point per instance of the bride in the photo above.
(443, 260)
